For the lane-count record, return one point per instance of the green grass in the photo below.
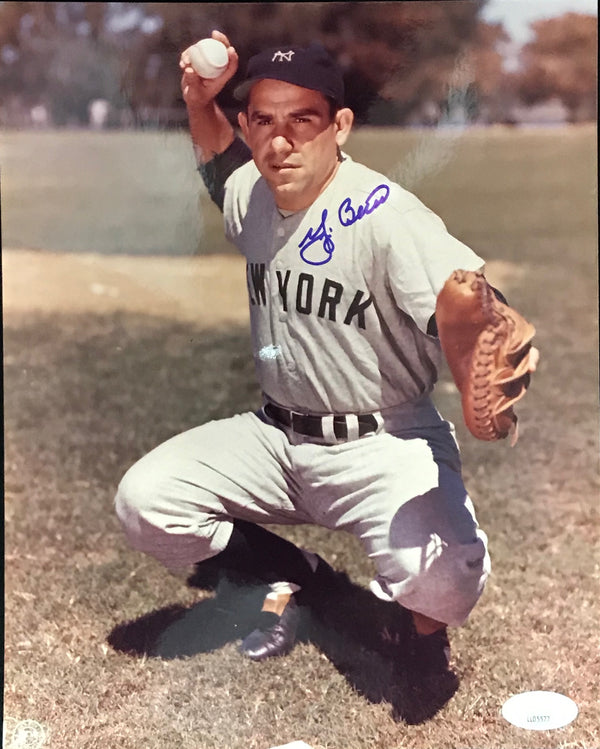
(86, 395)
(112, 192)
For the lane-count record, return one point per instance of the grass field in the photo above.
(105, 355)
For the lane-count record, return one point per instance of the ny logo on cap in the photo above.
(281, 56)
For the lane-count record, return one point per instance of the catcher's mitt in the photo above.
(488, 349)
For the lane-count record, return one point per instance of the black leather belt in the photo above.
(312, 426)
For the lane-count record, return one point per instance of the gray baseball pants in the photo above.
(399, 491)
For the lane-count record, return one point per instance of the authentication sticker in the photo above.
(23, 734)
(539, 711)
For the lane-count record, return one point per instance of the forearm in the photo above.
(210, 130)
(217, 150)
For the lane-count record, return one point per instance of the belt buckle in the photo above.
(366, 423)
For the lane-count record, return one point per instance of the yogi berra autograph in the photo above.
(347, 215)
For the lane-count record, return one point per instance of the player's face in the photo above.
(293, 139)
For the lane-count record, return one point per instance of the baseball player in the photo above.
(343, 271)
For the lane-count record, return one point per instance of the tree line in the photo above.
(404, 62)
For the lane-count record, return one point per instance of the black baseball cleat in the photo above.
(275, 636)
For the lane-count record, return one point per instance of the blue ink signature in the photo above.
(348, 215)
(320, 234)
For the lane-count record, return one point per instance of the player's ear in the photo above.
(344, 119)
(243, 123)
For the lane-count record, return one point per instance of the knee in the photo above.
(442, 581)
(147, 505)
(461, 573)
(462, 577)
(163, 517)
(136, 494)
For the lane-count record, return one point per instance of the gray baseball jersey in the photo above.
(341, 293)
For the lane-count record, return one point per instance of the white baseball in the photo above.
(209, 58)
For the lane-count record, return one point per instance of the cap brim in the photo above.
(242, 91)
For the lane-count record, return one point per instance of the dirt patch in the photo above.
(209, 291)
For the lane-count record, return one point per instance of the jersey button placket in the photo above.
(280, 232)
(275, 295)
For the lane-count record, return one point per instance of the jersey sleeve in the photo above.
(421, 256)
(217, 171)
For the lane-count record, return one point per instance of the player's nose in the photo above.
(281, 144)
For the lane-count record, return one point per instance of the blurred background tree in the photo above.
(392, 53)
(403, 61)
(58, 55)
(561, 62)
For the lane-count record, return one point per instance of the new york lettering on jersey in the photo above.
(308, 295)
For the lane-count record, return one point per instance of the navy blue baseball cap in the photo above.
(310, 67)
